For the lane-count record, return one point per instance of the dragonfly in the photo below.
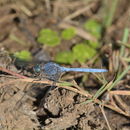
(53, 71)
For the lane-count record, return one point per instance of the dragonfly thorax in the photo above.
(52, 70)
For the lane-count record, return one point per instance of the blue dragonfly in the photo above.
(53, 71)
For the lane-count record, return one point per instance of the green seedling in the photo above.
(68, 33)
(93, 27)
(66, 57)
(94, 45)
(48, 37)
(23, 55)
(80, 52)
(83, 52)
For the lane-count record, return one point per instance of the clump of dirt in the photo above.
(12, 116)
(64, 109)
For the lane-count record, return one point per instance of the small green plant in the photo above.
(93, 27)
(94, 45)
(83, 52)
(80, 52)
(23, 55)
(48, 37)
(68, 33)
(66, 57)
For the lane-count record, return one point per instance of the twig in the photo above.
(121, 104)
(117, 110)
(57, 84)
(12, 73)
(120, 92)
(78, 12)
(48, 6)
(103, 112)
(25, 10)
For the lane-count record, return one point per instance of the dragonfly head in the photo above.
(37, 68)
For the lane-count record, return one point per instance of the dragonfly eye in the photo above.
(37, 68)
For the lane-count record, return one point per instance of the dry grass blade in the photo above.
(65, 85)
(121, 104)
(103, 112)
(12, 73)
(78, 12)
(120, 92)
(118, 110)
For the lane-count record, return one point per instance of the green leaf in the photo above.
(83, 52)
(66, 57)
(68, 33)
(93, 27)
(48, 37)
(23, 55)
(94, 45)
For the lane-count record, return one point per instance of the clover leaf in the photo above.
(48, 37)
(83, 52)
(23, 55)
(68, 33)
(93, 44)
(93, 27)
(66, 57)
